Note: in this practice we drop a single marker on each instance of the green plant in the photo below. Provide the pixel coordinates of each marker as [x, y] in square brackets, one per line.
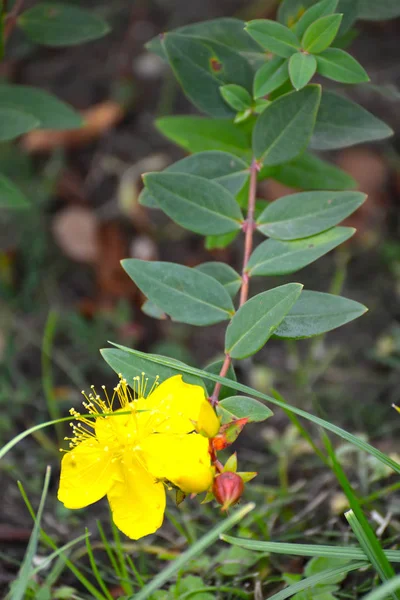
[264, 117]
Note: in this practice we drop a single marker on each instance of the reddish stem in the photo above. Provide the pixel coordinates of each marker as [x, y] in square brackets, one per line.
[248, 228]
[11, 18]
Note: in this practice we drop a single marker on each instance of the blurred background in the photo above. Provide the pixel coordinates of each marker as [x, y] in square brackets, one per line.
[63, 294]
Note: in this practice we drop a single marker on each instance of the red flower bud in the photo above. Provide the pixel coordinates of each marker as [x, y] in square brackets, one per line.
[227, 489]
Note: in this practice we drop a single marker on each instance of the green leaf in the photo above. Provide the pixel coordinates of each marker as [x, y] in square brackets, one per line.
[349, 10]
[316, 312]
[383, 591]
[239, 407]
[322, 563]
[50, 112]
[187, 295]
[215, 367]
[14, 123]
[274, 257]
[284, 129]
[219, 241]
[131, 367]
[274, 37]
[270, 76]
[10, 195]
[308, 172]
[198, 134]
[301, 69]
[57, 24]
[236, 96]
[341, 123]
[320, 34]
[223, 273]
[338, 65]
[226, 169]
[258, 318]
[202, 66]
[320, 550]
[290, 11]
[307, 213]
[383, 10]
[227, 31]
[312, 14]
[196, 203]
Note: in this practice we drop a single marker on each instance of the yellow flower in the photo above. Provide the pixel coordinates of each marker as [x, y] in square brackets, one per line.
[138, 447]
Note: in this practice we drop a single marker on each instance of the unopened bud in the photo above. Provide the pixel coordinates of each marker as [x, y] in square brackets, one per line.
[227, 489]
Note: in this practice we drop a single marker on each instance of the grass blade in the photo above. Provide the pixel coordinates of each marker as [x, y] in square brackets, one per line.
[310, 582]
[359, 523]
[373, 550]
[198, 547]
[382, 592]
[383, 458]
[345, 552]
[20, 585]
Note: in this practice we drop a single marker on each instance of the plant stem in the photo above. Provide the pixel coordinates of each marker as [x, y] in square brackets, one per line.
[248, 228]
[11, 18]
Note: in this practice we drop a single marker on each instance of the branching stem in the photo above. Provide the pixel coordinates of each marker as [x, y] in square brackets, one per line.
[248, 228]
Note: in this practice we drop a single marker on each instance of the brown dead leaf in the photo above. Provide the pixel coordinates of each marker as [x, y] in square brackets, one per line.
[98, 119]
[75, 231]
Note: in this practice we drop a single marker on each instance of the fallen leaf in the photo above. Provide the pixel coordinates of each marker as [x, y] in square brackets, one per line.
[75, 232]
[98, 119]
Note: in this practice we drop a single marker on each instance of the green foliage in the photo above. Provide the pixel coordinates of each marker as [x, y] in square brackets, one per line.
[276, 257]
[241, 406]
[338, 65]
[223, 273]
[270, 76]
[302, 67]
[320, 34]
[316, 312]
[258, 318]
[284, 128]
[274, 37]
[57, 24]
[307, 213]
[185, 294]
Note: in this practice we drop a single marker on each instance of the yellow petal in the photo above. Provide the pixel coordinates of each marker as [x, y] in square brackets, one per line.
[137, 501]
[178, 407]
[118, 427]
[86, 474]
[182, 459]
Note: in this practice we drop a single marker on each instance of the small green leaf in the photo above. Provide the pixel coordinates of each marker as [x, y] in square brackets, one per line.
[257, 319]
[198, 134]
[301, 69]
[316, 312]
[308, 172]
[10, 195]
[224, 168]
[47, 109]
[274, 37]
[320, 34]
[196, 203]
[202, 66]
[378, 11]
[275, 257]
[220, 241]
[290, 11]
[270, 76]
[14, 123]
[338, 65]
[321, 9]
[215, 367]
[341, 123]
[284, 129]
[240, 407]
[227, 31]
[187, 295]
[224, 274]
[236, 96]
[131, 366]
[322, 563]
[300, 215]
[56, 24]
